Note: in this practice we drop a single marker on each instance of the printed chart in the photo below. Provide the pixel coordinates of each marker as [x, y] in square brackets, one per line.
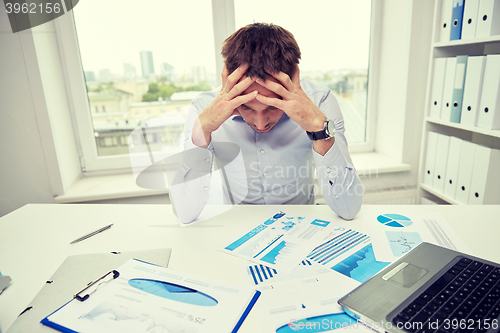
[402, 242]
[173, 291]
[394, 220]
[361, 265]
[280, 243]
[343, 241]
[396, 232]
[260, 273]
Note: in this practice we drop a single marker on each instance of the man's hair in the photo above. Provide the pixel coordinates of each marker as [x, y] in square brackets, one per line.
[262, 46]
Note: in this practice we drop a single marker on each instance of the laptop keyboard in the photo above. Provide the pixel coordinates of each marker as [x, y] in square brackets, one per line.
[464, 299]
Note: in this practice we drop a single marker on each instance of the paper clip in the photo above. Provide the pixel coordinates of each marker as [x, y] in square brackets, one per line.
[92, 286]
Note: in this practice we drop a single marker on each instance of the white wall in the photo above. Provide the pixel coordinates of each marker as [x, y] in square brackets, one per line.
[35, 144]
[405, 38]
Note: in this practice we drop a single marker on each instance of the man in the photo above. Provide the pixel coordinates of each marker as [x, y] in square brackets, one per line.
[265, 129]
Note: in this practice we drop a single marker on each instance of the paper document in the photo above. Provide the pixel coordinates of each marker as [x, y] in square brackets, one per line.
[348, 252]
[281, 242]
[260, 275]
[148, 298]
[308, 304]
[395, 233]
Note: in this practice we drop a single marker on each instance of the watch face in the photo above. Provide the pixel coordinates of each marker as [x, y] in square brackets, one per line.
[330, 128]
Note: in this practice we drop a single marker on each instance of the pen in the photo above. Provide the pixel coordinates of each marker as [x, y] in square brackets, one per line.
[91, 234]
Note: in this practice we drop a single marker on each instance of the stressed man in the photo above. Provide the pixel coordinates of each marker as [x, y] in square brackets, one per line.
[266, 130]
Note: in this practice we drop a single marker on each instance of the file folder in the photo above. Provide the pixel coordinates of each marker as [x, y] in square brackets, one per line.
[446, 13]
[485, 184]
[449, 78]
[74, 273]
[456, 19]
[467, 153]
[443, 144]
[488, 18]
[472, 90]
[489, 109]
[430, 158]
[458, 88]
[469, 22]
[452, 167]
[437, 87]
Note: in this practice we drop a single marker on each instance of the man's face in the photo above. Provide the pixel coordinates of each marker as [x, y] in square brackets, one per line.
[261, 117]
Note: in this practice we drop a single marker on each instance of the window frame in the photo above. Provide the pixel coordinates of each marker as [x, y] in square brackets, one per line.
[223, 18]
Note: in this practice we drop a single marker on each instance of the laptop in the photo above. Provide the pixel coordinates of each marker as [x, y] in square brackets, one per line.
[430, 289]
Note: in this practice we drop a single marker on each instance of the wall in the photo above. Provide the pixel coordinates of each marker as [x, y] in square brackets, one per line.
[38, 152]
[402, 65]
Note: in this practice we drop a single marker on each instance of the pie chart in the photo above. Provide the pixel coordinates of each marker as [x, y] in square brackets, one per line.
[394, 220]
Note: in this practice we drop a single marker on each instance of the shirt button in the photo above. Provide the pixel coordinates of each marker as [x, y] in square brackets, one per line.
[206, 188]
[328, 170]
[265, 173]
[262, 151]
[267, 193]
[336, 196]
[207, 160]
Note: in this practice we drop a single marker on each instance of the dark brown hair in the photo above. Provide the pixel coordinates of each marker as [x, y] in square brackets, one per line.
[261, 45]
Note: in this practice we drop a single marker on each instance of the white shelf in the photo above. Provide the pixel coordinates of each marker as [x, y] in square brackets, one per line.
[439, 194]
[476, 135]
[483, 131]
[460, 42]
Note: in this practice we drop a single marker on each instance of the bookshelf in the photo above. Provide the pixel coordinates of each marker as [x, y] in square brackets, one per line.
[465, 132]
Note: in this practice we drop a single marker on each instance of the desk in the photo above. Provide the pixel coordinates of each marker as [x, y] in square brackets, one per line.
[34, 240]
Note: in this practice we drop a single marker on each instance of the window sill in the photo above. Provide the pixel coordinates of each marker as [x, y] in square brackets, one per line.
[377, 163]
[106, 187]
[120, 186]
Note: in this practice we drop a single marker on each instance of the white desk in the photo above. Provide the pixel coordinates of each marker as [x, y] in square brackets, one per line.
[34, 240]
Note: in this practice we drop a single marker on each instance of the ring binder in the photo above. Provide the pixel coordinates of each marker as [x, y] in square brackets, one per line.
[96, 284]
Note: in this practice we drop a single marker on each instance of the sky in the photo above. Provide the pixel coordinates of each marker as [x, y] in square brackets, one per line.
[332, 34]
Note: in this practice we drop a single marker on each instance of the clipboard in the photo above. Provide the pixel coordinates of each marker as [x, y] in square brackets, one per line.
[74, 273]
[142, 297]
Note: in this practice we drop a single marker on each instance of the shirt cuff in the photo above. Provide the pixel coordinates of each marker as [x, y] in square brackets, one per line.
[197, 158]
[332, 163]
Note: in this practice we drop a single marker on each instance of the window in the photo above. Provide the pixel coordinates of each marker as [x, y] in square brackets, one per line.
[333, 36]
[148, 61]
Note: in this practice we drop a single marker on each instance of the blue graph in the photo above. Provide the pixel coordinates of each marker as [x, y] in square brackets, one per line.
[336, 246]
[394, 220]
[261, 273]
[173, 291]
[402, 242]
[270, 257]
[361, 265]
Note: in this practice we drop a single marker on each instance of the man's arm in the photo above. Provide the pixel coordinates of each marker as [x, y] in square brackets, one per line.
[191, 186]
[340, 184]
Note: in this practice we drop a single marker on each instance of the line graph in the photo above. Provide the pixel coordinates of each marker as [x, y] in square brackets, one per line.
[402, 242]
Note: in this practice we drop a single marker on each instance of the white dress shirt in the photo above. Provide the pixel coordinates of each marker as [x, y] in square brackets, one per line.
[276, 167]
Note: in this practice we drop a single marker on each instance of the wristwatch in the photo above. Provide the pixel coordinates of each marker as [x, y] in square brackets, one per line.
[327, 132]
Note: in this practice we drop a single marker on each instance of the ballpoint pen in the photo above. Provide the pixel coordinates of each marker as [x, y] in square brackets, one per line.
[91, 234]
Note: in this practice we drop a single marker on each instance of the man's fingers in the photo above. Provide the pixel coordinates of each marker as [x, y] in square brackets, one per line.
[240, 87]
[296, 75]
[224, 75]
[242, 99]
[277, 103]
[283, 78]
[234, 77]
[275, 87]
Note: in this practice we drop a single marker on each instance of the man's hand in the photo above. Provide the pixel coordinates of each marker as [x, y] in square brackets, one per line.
[223, 106]
[297, 105]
